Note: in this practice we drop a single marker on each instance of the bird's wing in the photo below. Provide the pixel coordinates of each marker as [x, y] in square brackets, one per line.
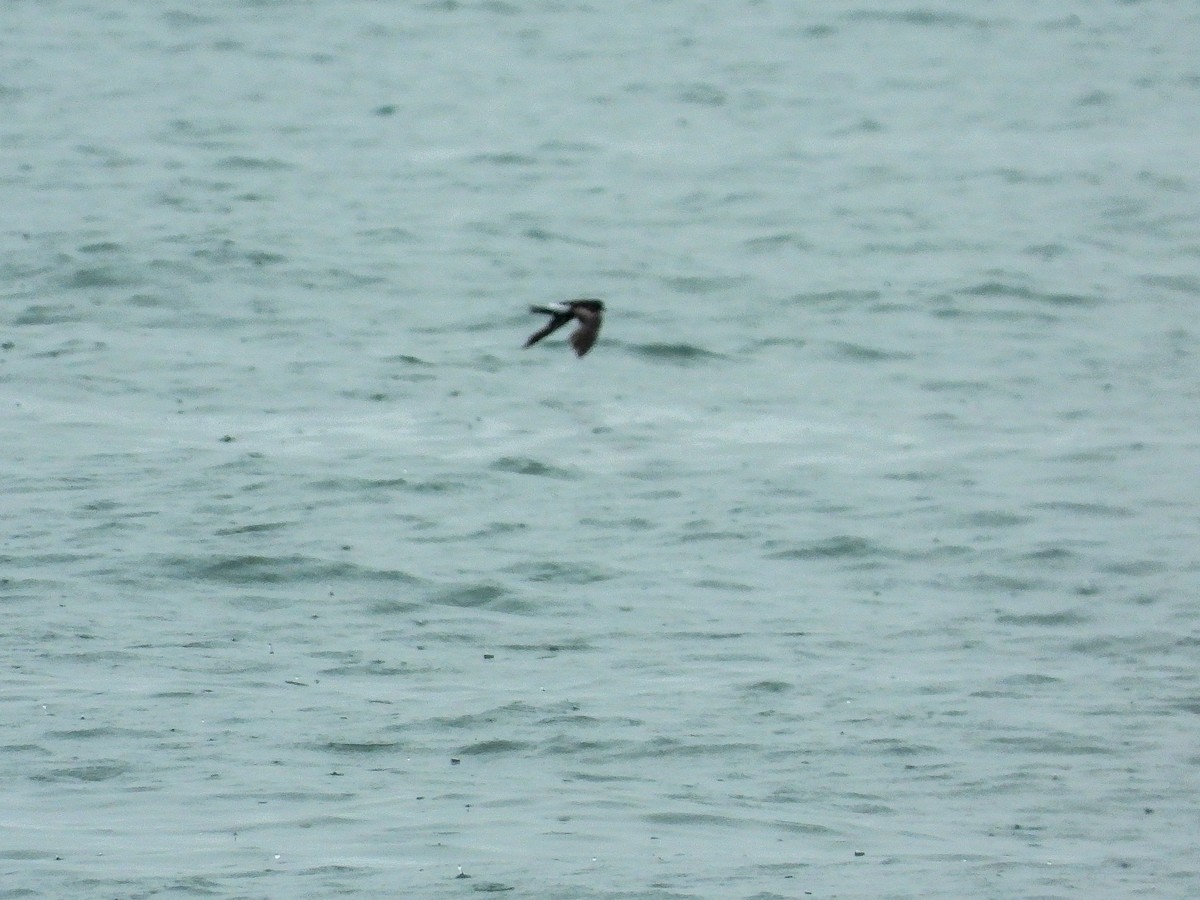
[589, 329]
[557, 321]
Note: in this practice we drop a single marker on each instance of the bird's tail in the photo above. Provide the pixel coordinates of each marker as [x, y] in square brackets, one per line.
[543, 309]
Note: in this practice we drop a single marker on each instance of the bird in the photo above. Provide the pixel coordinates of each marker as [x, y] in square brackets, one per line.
[590, 314]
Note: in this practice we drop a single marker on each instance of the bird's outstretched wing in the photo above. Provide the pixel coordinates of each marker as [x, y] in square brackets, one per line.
[558, 318]
[585, 335]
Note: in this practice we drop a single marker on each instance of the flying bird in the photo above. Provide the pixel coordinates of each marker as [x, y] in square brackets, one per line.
[590, 314]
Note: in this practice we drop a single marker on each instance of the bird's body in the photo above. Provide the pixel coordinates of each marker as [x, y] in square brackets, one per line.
[590, 314]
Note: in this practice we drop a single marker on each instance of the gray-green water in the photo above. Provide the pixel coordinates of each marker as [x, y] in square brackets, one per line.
[858, 559]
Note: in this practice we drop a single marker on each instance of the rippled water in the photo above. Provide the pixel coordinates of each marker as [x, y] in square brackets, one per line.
[858, 559]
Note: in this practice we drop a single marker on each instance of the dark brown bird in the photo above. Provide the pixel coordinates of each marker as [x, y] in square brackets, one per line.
[590, 314]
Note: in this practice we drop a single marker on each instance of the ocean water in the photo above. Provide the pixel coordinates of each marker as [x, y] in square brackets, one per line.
[858, 559]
